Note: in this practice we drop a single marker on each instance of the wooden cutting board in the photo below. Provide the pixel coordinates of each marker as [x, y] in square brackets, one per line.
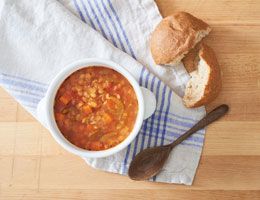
[33, 166]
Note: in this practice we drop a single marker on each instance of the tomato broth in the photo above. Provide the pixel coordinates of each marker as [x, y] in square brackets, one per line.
[95, 108]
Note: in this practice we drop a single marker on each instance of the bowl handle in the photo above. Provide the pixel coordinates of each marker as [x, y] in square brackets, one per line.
[149, 102]
[41, 112]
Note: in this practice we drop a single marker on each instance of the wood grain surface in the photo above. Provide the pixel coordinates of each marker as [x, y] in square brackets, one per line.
[33, 166]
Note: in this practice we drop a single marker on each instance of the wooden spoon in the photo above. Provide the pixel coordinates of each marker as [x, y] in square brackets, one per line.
[150, 161]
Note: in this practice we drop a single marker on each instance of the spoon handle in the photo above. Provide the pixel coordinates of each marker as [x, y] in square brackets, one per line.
[208, 119]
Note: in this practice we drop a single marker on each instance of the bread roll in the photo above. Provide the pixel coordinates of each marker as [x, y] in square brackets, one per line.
[175, 36]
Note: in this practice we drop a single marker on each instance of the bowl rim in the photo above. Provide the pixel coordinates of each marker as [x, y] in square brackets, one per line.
[51, 93]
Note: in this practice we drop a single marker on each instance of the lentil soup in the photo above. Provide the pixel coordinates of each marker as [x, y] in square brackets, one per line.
[95, 108]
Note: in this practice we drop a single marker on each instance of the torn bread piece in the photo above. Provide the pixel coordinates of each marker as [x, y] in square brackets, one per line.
[175, 36]
[205, 83]
[191, 59]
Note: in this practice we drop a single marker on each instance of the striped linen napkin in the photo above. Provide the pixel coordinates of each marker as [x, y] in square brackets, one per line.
[38, 38]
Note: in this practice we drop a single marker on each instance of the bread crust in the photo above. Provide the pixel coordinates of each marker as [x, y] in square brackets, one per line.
[214, 84]
[175, 36]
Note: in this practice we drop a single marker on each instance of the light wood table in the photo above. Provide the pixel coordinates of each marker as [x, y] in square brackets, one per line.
[33, 166]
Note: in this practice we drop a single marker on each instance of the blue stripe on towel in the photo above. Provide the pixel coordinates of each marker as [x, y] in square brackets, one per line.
[147, 120]
[125, 36]
[171, 132]
[157, 130]
[193, 145]
[95, 17]
[106, 24]
[172, 126]
[159, 117]
[79, 11]
[24, 79]
[24, 98]
[165, 117]
[122, 29]
[22, 85]
[171, 136]
[29, 93]
[152, 118]
[86, 12]
[114, 26]
[181, 117]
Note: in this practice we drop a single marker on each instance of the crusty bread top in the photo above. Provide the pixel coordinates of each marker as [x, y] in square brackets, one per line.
[175, 35]
[197, 96]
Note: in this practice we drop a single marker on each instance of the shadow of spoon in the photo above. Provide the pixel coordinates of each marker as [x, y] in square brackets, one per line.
[150, 161]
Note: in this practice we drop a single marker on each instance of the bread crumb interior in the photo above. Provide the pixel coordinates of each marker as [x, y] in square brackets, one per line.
[196, 85]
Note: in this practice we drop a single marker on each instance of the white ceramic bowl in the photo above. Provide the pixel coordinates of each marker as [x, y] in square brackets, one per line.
[45, 109]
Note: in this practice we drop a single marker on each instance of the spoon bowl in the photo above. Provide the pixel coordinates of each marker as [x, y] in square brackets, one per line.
[155, 157]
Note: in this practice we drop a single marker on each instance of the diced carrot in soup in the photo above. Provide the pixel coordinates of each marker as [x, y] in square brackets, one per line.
[107, 118]
[96, 108]
[86, 109]
[90, 128]
[59, 117]
[65, 99]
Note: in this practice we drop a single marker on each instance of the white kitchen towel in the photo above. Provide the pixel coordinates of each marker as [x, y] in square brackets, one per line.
[39, 38]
